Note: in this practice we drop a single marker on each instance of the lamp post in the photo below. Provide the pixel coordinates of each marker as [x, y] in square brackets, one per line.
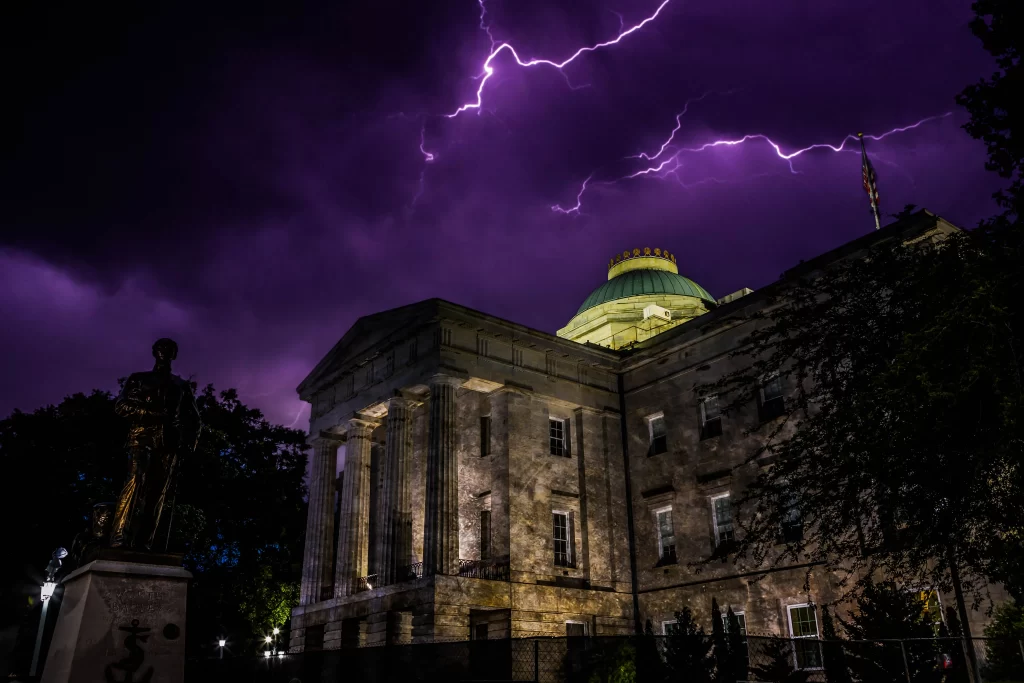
[45, 593]
[220, 646]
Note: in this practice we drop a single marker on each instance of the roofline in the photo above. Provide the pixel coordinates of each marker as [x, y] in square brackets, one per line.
[567, 344]
[605, 354]
[919, 221]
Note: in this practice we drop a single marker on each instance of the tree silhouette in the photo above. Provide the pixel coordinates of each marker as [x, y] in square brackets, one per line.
[888, 612]
[688, 653]
[833, 652]
[239, 514]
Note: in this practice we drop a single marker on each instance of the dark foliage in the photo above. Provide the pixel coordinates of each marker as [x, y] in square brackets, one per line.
[997, 118]
[888, 612]
[997, 114]
[1005, 662]
[688, 650]
[238, 511]
[833, 652]
[776, 662]
[900, 446]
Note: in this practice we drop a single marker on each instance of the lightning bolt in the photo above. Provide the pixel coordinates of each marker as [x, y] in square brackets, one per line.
[497, 48]
[427, 156]
[666, 161]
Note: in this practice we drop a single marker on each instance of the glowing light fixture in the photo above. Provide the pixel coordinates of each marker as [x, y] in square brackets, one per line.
[221, 642]
[268, 639]
[276, 631]
[266, 653]
[47, 590]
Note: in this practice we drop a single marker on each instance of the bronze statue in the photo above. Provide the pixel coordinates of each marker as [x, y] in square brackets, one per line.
[165, 426]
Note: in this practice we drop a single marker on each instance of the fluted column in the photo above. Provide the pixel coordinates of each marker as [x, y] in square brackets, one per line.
[354, 517]
[441, 525]
[316, 562]
[395, 515]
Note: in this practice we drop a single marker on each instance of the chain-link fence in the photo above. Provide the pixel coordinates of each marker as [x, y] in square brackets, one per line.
[640, 659]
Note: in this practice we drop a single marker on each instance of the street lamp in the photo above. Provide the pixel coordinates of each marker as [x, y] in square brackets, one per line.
[45, 593]
[220, 646]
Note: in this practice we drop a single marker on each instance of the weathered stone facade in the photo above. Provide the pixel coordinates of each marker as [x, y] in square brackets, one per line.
[485, 491]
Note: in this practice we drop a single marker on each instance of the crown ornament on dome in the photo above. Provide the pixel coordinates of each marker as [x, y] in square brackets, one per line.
[646, 252]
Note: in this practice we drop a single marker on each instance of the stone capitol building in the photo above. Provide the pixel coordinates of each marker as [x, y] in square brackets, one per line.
[502, 482]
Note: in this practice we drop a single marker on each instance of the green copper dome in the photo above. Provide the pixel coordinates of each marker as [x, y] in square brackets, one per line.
[639, 282]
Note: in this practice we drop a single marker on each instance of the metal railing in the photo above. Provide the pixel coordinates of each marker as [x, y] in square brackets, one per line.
[409, 572]
[484, 569]
[364, 583]
[611, 659]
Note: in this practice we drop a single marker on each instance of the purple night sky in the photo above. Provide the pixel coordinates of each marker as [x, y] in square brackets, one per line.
[250, 183]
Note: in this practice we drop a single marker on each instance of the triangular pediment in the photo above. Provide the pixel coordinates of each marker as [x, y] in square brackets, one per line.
[367, 335]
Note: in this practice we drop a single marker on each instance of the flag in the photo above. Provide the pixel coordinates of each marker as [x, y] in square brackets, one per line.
[869, 179]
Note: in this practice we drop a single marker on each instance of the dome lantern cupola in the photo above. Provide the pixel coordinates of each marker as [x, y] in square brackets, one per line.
[618, 313]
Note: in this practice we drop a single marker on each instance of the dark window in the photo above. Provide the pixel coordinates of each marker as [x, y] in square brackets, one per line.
[710, 418]
[792, 522]
[485, 534]
[659, 442]
[770, 403]
[722, 511]
[480, 632]
[558, 437]
[575, 629]
[666, 537]
[563, 538]
[485, 435]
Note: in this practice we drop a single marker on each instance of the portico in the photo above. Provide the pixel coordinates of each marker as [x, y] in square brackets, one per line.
[442, 435]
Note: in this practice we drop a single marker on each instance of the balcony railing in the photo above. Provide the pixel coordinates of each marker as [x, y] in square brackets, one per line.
[484, 569]
[365, 583]
[409, 573]
[474, 569]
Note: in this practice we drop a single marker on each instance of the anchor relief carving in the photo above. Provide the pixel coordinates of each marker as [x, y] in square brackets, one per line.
[133, 662]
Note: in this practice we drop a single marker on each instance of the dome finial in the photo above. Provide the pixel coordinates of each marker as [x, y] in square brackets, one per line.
[646, 258]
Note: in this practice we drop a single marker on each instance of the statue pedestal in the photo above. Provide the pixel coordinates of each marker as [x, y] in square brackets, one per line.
[122, 618]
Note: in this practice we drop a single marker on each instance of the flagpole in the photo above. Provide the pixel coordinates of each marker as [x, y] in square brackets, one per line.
[872, 191]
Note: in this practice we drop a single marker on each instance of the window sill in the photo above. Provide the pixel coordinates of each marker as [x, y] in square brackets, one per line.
[666, 562]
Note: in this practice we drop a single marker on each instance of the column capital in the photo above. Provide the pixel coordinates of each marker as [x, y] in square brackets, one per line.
[406, 402]
[360, 427]
[324, 438]
[442, 379]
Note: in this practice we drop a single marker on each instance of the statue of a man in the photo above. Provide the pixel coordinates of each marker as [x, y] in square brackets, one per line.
[165, 425]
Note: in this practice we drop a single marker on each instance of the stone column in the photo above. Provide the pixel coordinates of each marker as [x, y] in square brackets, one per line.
[395, 513]
[441, 525]
[316, 562]
[354, 520]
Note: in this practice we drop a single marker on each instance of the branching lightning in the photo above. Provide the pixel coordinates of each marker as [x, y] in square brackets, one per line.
[666, 161]
[497, 48]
